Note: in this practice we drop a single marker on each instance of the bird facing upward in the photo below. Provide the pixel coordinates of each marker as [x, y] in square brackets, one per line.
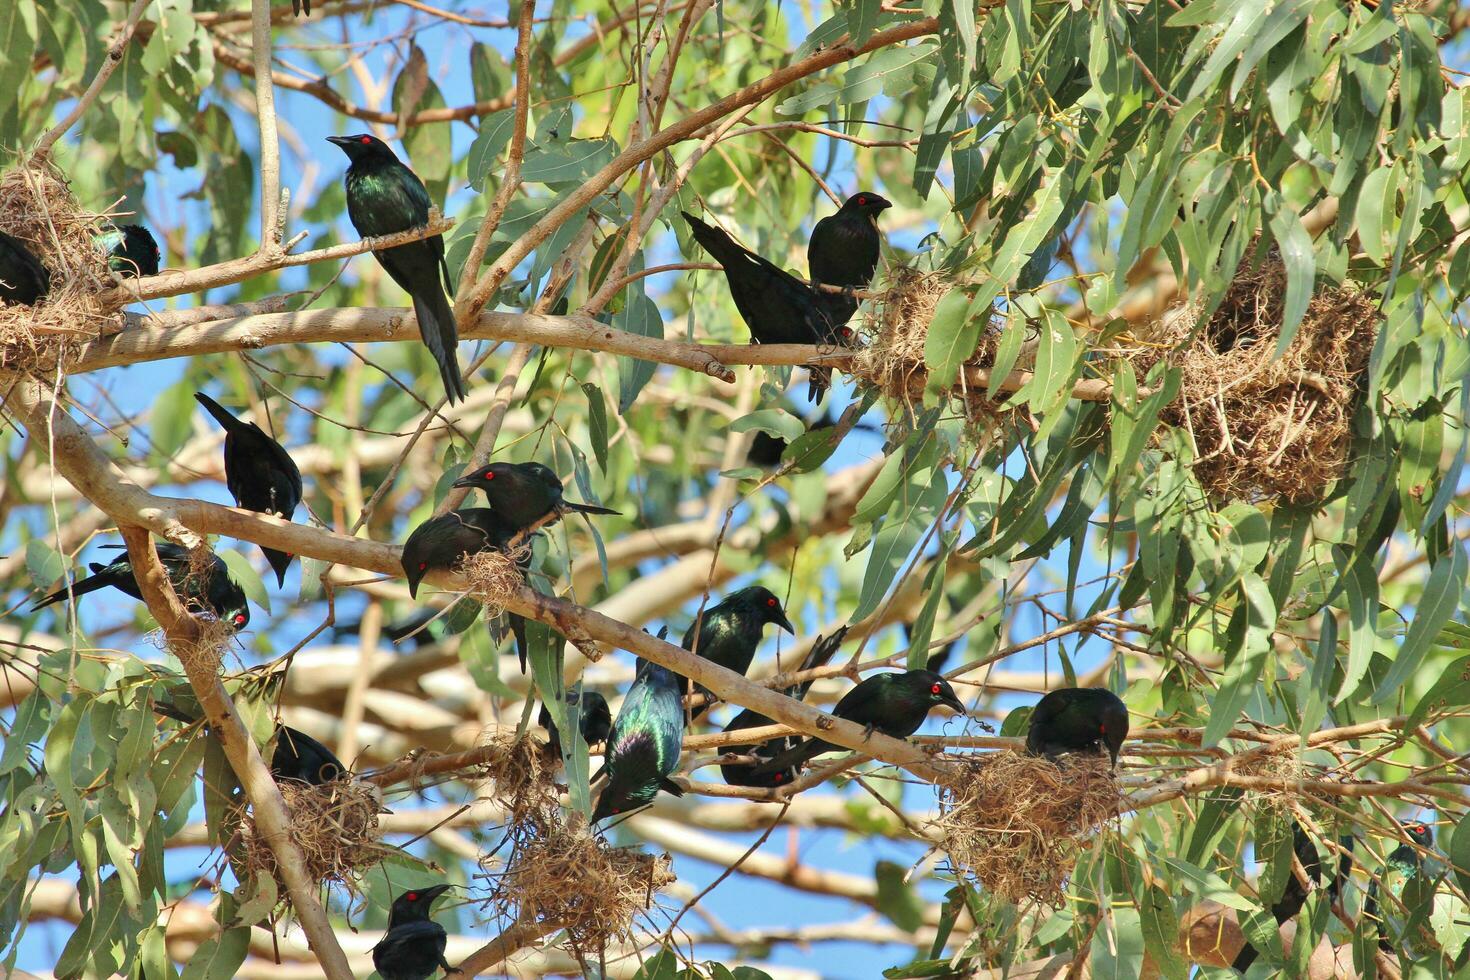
[384, 197]
[413, 947]
[644, 744]
[843, 251]
[212, 590]
[260, 474]
[1078, 719]
[524, 493]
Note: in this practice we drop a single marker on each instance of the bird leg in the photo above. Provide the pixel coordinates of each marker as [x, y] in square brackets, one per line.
[868, 731]
[447, 968]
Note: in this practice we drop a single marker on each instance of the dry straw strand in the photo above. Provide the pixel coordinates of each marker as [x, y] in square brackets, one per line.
[335, 825]
[492, 576]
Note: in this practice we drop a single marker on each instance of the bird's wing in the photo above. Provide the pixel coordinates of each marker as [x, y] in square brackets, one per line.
[819, 247]
[864, 702]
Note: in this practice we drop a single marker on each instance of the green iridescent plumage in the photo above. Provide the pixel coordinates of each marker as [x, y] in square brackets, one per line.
[730, 631]
[643, 748]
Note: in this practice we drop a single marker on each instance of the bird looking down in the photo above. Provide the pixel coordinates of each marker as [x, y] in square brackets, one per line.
[259, 472]
[212, 590]
[730, 630]
[524, 494]
[894, 704]
[131, 250]
[384, 197]
[777, 307]
[644, 744]
[1078, 719]
[844, 250]
[413, 947]
[594, 720]
[23, 279]
[741, 774]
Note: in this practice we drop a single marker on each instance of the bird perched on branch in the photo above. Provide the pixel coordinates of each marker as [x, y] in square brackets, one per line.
[442, 542]
[131, 250]
[644, 744]
[259, 472]
[777, 307]
[210, 590]
[594, 719]
[1078, 719]
[742, 774]
[294, 754]
[1293, 896]
[843, 251]
[894, 704]
[1401, 870]
[413, 947]
[384, 197]
[730, 630]
[524, 494]
[23, 279]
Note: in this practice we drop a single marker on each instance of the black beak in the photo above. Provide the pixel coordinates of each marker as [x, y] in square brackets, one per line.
[429, 894]
[465, 482]
[340, 140]
[785, 623]
[948, 698]
[413, 583]
[885, 205]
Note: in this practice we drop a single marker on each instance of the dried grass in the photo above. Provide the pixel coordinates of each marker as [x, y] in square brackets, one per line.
[1267, 427]
[1018, 823]
[523, 782]
[37, 207]
[335, 825]
[1286, 766]
[564, 875]
[492, 577]
[893, 359]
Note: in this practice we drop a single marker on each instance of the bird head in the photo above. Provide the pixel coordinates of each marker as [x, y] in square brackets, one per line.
[617, 800]
[238, 617]
[363, 147]
[767, 607]
[413, 905]
[866, 202]
[141, 249]
[484, 477]
[1418, 832]
[417, 557]
[937, 689]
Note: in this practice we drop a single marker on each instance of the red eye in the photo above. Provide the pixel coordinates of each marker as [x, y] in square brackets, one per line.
[489, 475]
[616, 810]
[780, 777]
[411, 896]
[366, 140]
[847, 331]
[423, 565]
[934, 689]
[239, 619]
[771, 602]
[862, 200]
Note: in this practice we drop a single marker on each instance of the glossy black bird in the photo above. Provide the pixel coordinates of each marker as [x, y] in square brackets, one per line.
[1403, 864]
[595, 720]
[413, 947]
[524, 493]
[1078, 719]
[843, 251]
[23, 279]
[259, 472]
[383, 197]
[295, 756]
[214, 590]
[131, 250]
[777, 307]
[441, 542]
[644, 744]
[297, 6]
[894, 704]
[1294, 896]
[741, 774]
[730, 630]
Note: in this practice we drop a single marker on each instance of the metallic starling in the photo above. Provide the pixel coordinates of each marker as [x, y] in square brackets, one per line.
[1078, 719]
[131, 250]
[524, 494]
[644, 744]
[730, 630]
[843, 251]
[413, 947]
[213, 590]
[23, 279]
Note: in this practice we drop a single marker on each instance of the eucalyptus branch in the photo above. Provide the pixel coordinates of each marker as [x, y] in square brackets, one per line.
[115, 53]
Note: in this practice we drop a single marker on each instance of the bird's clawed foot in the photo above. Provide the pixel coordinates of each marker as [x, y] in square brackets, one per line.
[868, 731]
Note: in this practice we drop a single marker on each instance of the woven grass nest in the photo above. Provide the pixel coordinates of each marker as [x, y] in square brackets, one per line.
[893, 359]
[562, 875]
[522, 775]
[492, 576]
[1017, 823]
[335, 826]
[37, 207]
[1267, 426]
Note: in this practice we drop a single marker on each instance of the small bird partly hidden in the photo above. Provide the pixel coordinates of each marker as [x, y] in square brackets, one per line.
[384, 197]
[524, 494]
[1403, 865]
[1078, 719]
[259, 472]
[777, 307]
[644, 744]
[298, 6]
[594, 720]
[295, 755]
[416, 628]
[413, 947]
[843, 251]
[441, 542]
[212, 590]
[730, 630]
[741, 773]
[894, 704]
[23, 279]
[1293, 896]
[131, 250]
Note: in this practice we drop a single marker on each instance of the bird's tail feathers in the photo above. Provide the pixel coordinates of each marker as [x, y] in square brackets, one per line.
[588, 508]
[222, 415]
[669, 786]
[820, 382]
[80, 587]
[436, 327]
[716, 241]
[279, 561]
[820, 653]
[792, 758]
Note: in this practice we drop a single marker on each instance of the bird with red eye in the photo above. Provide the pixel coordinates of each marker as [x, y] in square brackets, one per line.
[729, 631]
[525, 495]
[204, 590]
[1077, 719]
[892, 704]
[844, 251]
[413, 947]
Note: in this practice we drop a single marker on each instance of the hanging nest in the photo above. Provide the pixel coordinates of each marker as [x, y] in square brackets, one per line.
[1267, 426]
[523, 785]
[565, 876]
[893, 359]
[1286, 766]
[335, 825]
[493, 576]
[37, 207]
[1018, 823]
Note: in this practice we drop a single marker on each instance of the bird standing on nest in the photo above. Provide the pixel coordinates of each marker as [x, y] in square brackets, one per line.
[843, 251]
[1078, 719]
[413, 947]
[524, 494]
[644, 744]
[730, 630]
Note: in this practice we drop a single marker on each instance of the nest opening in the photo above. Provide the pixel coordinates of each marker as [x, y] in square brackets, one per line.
[38, 208]
[893, 359]
[524, 788]
[565, 876]
[1267, 426]
[492, 577]
[335, 826]
[1018, 823]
